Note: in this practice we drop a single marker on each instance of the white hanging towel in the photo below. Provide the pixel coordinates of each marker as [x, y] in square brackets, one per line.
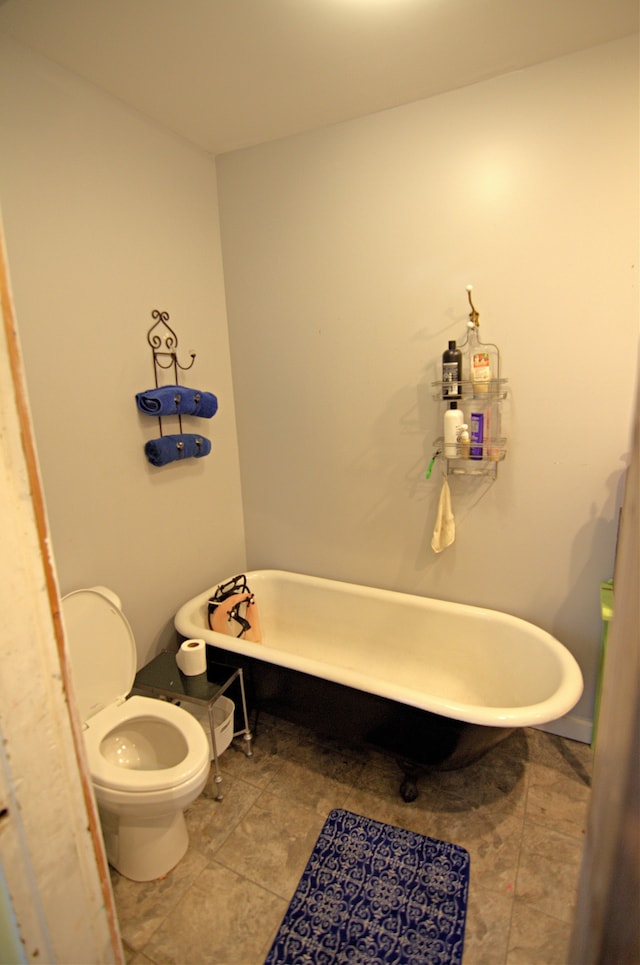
[444, 532]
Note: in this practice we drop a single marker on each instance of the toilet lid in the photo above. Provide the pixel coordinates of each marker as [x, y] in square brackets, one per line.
[101, 647]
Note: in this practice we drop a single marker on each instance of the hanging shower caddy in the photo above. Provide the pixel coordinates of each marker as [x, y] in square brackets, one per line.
[479, 394]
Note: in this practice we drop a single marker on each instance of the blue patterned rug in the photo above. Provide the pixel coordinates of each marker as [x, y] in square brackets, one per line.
[375, 894]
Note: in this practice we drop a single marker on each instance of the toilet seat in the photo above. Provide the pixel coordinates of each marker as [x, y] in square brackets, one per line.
[103, 659]
[105, 773]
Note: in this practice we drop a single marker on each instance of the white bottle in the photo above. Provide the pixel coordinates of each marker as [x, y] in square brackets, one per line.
[453, 419]
[464, 440]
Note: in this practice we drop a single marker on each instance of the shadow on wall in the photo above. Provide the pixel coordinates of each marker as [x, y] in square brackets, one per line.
[595, 541]
[399, 467]
[166, 639]
[395, 469]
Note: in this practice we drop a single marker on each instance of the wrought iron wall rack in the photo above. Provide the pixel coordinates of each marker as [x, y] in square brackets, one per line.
[164, 346]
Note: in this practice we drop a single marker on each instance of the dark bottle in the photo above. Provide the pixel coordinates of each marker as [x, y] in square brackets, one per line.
[451, 372]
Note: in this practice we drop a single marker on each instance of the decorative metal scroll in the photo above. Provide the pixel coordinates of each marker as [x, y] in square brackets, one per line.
[164, 345]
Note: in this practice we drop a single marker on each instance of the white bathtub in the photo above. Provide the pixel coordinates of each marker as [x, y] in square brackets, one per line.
[436, 684]
[462, 662]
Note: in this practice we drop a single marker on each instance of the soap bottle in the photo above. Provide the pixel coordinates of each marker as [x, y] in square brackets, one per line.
[480, 371]
[464, 440]
[453, 421]
[483, 358]
[451, 372]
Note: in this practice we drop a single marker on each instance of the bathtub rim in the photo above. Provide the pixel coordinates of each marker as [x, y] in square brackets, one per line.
[552, 708]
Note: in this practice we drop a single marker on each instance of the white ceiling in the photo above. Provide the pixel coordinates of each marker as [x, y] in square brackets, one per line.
[227, 74]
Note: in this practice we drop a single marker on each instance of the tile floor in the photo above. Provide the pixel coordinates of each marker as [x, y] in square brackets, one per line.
[520, 812]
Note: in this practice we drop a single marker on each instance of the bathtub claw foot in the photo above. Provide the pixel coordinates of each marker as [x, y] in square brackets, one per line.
[409, 790]
[409, 786]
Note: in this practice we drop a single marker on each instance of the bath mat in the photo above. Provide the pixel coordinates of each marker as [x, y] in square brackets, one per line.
[377, 894]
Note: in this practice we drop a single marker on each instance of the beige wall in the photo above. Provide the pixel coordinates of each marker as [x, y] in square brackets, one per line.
[346, 255]
[106, 218]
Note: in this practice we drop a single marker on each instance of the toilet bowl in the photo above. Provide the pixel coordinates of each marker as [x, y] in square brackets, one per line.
[148, 759]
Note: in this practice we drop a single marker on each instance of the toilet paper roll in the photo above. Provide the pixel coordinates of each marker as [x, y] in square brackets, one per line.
[192, 657]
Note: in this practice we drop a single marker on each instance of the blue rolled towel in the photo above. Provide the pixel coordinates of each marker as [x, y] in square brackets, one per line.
[181, 446]
[177, 400]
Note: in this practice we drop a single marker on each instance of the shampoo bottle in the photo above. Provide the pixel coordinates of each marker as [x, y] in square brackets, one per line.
[451, 372]
[477, 435]
[483, 358]
[479, 364]
[453, 420]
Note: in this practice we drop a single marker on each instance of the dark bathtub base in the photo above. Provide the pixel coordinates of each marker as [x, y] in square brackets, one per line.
[420, 741]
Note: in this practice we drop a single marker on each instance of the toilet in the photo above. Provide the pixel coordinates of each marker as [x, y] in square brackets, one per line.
[148, 758]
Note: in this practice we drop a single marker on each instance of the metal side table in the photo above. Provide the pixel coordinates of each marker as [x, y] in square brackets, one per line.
[162, 678]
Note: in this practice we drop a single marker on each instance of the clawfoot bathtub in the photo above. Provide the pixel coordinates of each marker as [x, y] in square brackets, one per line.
[436, 683]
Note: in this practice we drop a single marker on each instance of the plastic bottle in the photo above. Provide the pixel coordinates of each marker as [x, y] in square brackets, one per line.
[464, 440]
[477, 435]
[479, 363]
[453, 420]
[451, 372]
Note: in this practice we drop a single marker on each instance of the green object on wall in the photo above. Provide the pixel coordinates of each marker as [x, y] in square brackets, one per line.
[606, 609]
